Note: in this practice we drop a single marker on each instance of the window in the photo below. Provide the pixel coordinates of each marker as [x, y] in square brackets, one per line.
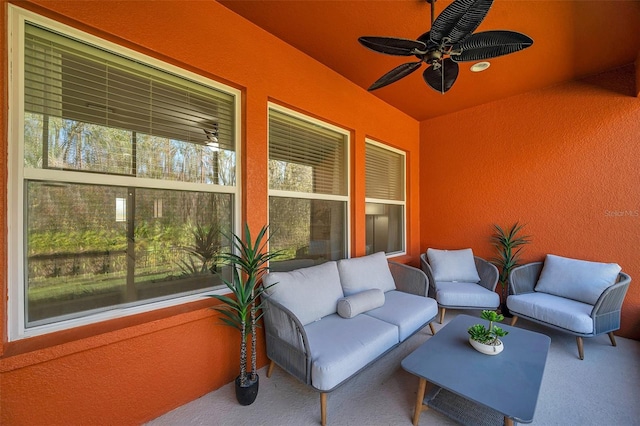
[385, 199]
[308, 189]
[122, 177]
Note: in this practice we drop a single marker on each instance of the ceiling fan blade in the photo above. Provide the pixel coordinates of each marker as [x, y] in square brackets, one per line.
[426, 39]
[489, 44]
[441, 79]
[392, 45]
[458, 20]
[395, 74]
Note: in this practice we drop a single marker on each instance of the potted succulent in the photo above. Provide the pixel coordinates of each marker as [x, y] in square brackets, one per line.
[249, 261]
[508, 244]
[487, 340]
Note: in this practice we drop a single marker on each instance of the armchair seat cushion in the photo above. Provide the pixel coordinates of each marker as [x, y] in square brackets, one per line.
[406, 311]
[559, 311]
[461, 294]
[339, 347]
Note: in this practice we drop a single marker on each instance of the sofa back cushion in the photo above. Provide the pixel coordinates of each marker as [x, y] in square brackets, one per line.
[309, 293]
[453, 265]
[364, 273]
[575, 279]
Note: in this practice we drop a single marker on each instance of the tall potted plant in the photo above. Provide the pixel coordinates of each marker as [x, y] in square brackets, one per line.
[508, 243]
[249, 261]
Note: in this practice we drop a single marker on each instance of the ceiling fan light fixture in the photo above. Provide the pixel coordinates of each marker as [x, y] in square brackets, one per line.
[480, 66]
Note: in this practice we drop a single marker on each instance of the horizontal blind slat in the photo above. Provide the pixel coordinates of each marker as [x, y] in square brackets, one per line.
[384, 173]
[305, 157]
[69, 79]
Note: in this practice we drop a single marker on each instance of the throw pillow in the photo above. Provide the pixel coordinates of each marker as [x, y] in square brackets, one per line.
[364, 273]
[350, 306]
[453, 265]
[575, 279]
[309, 293]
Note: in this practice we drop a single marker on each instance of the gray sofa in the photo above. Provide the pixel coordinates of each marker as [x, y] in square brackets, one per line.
[575, 296]
[325, 323]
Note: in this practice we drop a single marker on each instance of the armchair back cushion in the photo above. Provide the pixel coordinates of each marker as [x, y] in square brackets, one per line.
[309, 293]
[575, 279]
[365, 273]
[453, 265]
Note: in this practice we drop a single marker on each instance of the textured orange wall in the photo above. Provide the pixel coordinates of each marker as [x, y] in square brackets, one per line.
[563, 160]
[638, 76]
[134, 369]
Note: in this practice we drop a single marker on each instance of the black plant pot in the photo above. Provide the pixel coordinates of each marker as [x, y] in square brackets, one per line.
[248, 393]
[505, 311]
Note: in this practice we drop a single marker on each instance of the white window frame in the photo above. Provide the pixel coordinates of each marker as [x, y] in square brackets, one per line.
[15, 221]
[402, 203]
[311, 195]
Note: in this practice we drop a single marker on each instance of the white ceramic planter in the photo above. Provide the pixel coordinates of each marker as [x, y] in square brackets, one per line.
[487, 349]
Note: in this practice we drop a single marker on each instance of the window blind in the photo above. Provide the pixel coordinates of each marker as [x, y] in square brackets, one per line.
[73, 80]
[384, 173]
[302, 143]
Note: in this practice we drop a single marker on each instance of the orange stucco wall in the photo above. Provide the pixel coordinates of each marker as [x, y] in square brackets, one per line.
[136, 368]
[563, 161]
[638, 76]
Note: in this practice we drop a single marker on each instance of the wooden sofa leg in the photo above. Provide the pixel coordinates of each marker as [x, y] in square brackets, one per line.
[612, 338]
[270, 369]
[442, 315]
[323, 408]
[433, 330]
[513, 320]
[580, 347]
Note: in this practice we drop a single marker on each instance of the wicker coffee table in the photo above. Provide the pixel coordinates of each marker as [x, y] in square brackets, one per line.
[477, 389]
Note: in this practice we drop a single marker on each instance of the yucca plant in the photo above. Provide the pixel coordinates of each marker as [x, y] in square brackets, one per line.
[203, 252]
[509, 243]
[249, 260]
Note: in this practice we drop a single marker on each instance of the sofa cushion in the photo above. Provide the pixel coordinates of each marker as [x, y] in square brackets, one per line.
[407, 311]
[309, 293]
[340, 347]
[364, 273]
[465, 295]
[575, 279]
[559, 311]
[350, 306]
[453, 265]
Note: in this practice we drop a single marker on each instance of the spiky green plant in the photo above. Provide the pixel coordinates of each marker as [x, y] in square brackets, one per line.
[205, 249]
[488, 336]
[249, 260]
[509, 244]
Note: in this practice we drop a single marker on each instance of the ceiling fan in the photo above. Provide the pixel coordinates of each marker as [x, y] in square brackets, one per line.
[449, 41]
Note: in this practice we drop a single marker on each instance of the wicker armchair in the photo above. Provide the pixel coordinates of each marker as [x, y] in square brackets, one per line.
[604, 314]
[479, 295]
